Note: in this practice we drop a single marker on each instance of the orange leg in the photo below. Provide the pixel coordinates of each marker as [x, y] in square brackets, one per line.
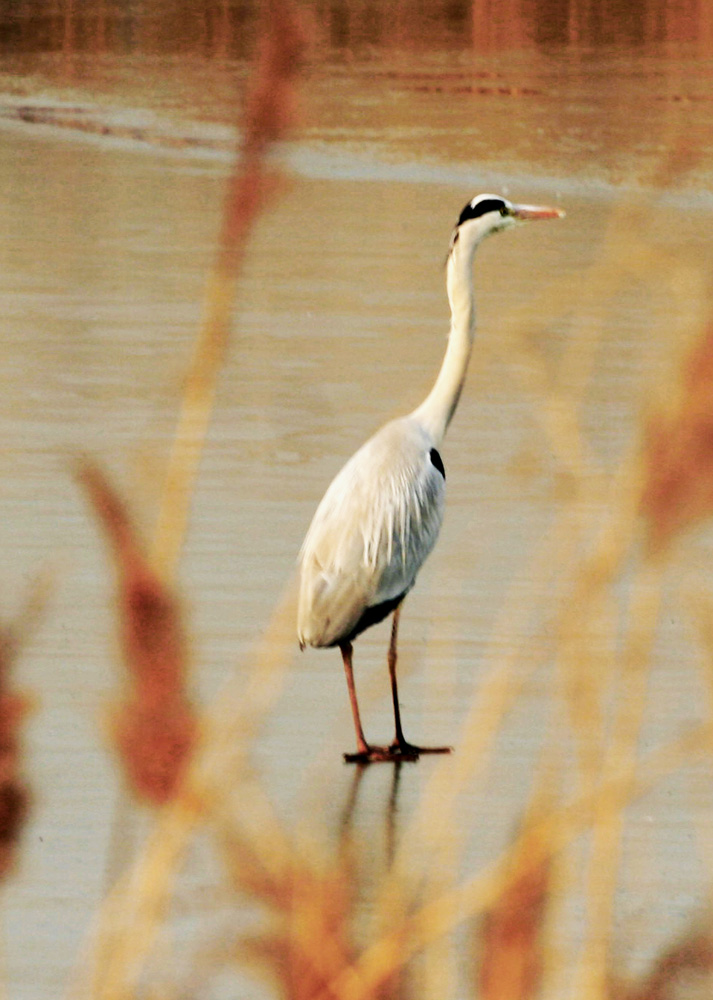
[365, 754]
[400, 749]
[362, 745]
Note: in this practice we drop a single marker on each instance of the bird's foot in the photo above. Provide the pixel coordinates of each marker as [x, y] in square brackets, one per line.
[373, 755]
[396, 751]
[401, 749]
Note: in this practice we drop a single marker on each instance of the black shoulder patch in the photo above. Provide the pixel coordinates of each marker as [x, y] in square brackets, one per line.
[474, 209]
[437, 461]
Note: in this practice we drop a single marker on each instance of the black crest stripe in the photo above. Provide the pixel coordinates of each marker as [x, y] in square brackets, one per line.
[482, 207]
[437, 462]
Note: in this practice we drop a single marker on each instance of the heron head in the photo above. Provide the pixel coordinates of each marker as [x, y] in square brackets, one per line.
[489, 213]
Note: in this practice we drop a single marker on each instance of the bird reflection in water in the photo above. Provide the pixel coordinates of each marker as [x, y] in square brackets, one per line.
[390, 811]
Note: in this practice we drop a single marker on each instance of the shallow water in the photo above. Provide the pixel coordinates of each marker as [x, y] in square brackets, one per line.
[111, 194]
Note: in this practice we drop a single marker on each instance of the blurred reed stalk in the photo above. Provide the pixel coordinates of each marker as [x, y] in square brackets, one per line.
[155, 726]
[267, 116]
[589, 572]
[136, 908]
[302, 891]
[15, 707]
[306, 893]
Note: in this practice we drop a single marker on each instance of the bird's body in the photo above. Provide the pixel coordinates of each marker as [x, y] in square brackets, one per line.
[381, 515]
[365, 546]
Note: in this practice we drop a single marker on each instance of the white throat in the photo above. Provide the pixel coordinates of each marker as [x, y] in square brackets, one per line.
[436, 411]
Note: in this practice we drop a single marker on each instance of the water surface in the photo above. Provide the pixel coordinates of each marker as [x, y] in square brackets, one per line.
[112, 163]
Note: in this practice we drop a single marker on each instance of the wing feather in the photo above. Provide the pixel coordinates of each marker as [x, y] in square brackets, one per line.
[372, 531]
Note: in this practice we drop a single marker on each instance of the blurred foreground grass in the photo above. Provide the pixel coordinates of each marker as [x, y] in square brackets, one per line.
[606, 579]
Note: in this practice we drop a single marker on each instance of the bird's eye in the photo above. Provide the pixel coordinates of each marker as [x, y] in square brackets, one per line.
[504, 211]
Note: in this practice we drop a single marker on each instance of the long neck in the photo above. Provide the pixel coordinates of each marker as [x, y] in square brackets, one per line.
[437, 409]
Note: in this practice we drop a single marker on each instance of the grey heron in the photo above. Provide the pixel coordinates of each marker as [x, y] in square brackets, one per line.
[382, 513]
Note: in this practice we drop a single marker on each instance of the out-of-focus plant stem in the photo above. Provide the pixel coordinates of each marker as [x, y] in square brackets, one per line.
[267, 115]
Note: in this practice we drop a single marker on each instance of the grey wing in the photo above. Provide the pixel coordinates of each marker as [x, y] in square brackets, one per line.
[374, 528]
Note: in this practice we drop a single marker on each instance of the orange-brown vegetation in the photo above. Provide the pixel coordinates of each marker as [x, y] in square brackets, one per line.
[269, 109]
[511, 962]
[15, 706]
[310, 936]
[675, 972]
[155, 727]
[678, 487]
[14, 794]
[309, 909]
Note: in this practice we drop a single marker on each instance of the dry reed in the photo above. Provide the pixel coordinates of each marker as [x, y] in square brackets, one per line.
[678, 491]
[268, 113]
[155, 728]
[674, 972]
[308, 945]
[511, 964]
[307, 895]
[15, 706]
